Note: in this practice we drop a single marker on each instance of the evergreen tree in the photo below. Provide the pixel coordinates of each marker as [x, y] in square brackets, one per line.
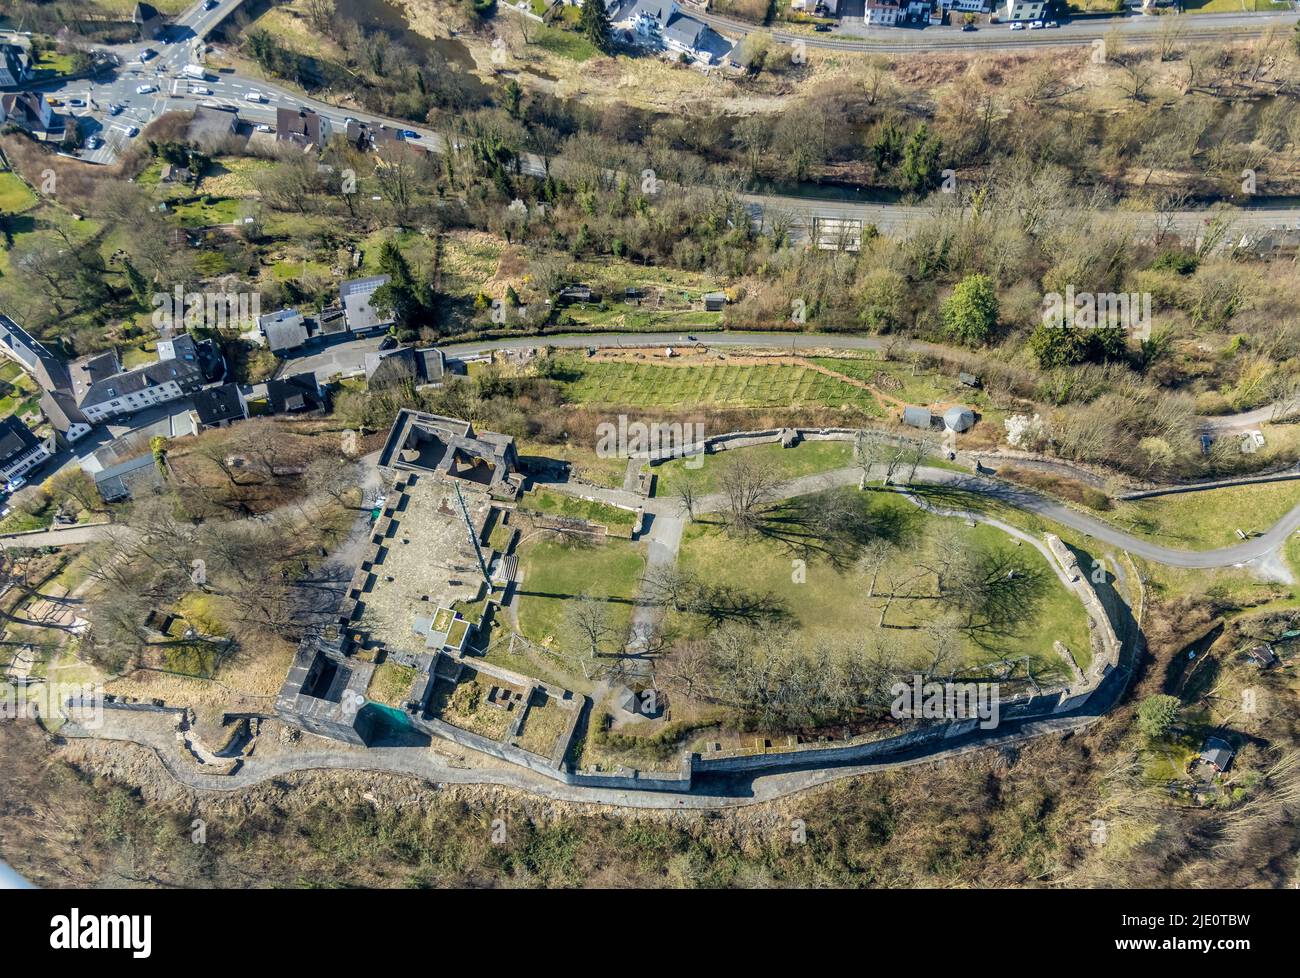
[594, 21]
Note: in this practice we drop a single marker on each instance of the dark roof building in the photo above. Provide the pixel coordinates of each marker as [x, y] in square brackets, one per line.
[216, 406]
[301, 127]
[393, 368]
[1217, 753]
[286, 395]
[30, 111]
[15, 65]
[20, 450]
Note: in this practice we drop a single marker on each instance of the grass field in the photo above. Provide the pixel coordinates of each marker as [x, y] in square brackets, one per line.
[618, 521]
[831, 603]
[806, 458]
[723, 385]
[1206, 520]
[553, 572]
[566, 44]
[15, 196]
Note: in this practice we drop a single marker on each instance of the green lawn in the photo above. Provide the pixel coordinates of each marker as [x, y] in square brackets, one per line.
[554, 572]
[15, 196]
[1206, 520]
[831, 603]
[805, 458]
[566, 44]
[618, 521]
[659, 385]
[200, 213]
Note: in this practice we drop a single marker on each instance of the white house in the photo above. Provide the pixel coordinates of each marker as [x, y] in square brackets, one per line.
[20, 450]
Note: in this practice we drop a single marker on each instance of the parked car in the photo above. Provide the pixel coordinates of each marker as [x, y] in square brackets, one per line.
[1017, 26]
[94, 142]
[263, 127]
[821, 28]
[14, 484]
[1036, 25]
[410, 134]
[968, 27]
[388, 342]
[1052, 23]
[77, 103]
[114, 108]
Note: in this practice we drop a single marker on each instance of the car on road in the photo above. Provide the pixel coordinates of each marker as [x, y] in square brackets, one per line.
[145, 89]
[146, 54]
[263, 127]
[209, 4]
[410, 134]
[200, 90]
[14, 484]
[254, 97]
[968, 27]
[1017, 26]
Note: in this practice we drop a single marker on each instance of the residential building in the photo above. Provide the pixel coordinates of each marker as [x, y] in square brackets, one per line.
[394, 368]
[130, 479]
[217, 407]
[211, 126]
[882, 13]
[15, 66]
[1022, 10]
[354, 296]
[1217, 753]
[30, 111]
[102, 389]
[299, 394]
[283, 330]
[20, 450]
[301, 127]
[29, 353]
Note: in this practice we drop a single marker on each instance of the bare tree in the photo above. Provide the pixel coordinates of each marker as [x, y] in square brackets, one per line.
[687, 492]
[748, 485]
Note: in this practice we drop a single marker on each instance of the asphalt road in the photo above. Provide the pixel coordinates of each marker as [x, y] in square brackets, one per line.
[990, 37]
[176, 92]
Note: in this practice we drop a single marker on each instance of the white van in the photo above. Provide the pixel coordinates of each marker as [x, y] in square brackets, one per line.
[254, 97]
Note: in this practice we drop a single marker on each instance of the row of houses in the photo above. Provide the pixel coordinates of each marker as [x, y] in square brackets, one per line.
[288, 329]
